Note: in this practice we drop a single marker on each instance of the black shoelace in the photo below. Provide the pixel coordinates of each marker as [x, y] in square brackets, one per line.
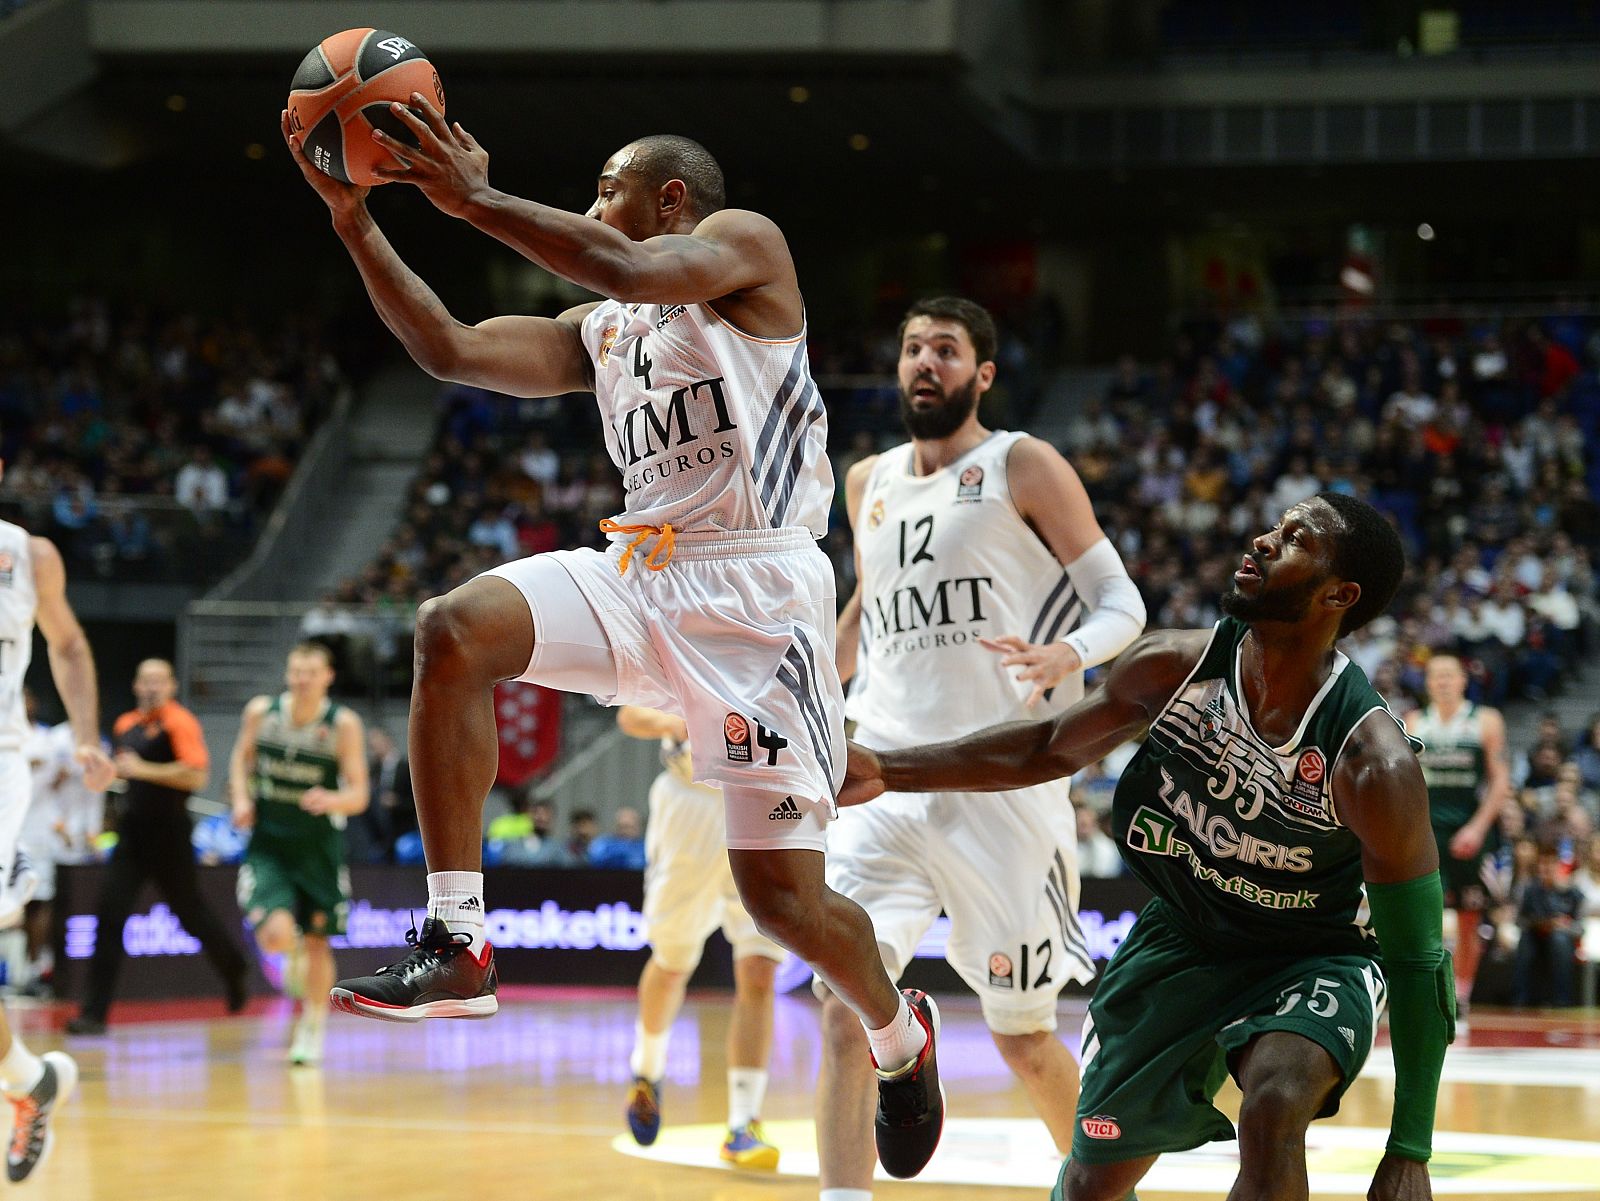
[432, 948]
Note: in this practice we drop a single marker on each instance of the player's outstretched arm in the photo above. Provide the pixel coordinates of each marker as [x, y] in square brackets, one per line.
[71, 662]
[730, 251]
[1380, 796]
[242, 763]
[517, 355]
[1023, 753]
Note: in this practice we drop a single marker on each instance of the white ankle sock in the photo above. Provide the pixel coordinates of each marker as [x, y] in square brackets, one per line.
[456, 899]
[898, 1043]
[21, 1069]
[747, 1089]
[845, 1194]
[649, 1058]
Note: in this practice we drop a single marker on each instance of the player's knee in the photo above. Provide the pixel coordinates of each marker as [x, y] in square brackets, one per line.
[275, 936]
[1025, 1054]
[842, 1034]
[755, 976]
[442, 635]
[781, 916]
[1088, 1182]
[1278, 1107]
[675, 962]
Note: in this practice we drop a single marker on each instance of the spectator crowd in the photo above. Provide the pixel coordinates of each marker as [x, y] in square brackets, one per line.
[149, 444]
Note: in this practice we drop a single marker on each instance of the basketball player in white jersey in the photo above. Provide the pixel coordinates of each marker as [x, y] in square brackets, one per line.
[713, 601]
[33, 590]
[1463, 761]
[58, 812]
[977, 552]
[688, 893]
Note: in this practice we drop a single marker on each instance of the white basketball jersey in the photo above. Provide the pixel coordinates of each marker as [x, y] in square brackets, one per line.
[18, 601]
[946, 559]
[711, 429]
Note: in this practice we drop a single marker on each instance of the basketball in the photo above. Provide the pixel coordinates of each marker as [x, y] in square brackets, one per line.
[342, 92]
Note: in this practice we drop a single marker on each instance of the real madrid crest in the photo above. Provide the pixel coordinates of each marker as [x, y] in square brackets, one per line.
[608, 339]
[875, 517]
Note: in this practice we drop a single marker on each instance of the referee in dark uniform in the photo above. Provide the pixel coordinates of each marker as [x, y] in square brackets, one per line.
[161, 753]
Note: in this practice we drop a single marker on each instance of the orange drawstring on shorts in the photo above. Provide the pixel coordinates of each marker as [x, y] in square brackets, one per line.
[660, 554]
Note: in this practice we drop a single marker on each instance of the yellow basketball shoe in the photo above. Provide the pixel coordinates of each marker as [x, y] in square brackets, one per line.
[747, 1147]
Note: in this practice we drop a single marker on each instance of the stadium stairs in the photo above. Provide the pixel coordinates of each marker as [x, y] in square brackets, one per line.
[342, 504]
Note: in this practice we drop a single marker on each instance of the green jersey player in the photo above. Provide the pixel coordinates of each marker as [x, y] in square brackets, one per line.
[1464, 765]
[299, 771]
[1278, 813]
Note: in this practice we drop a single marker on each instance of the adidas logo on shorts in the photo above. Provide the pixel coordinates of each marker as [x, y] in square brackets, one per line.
[1349, 1036]
[786, 812]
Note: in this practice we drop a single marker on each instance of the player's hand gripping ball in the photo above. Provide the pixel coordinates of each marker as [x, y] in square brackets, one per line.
[342, 92]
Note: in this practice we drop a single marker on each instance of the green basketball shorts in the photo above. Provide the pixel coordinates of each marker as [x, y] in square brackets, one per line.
[1169, 1018]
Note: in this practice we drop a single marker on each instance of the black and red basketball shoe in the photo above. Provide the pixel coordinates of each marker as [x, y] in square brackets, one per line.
[440, 978]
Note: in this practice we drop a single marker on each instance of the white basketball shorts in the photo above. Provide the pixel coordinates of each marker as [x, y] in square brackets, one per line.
[1002, 866]
[735, 635]
[688, 886]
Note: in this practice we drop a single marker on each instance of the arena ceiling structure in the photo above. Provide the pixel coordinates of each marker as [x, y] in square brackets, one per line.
[1027, 111]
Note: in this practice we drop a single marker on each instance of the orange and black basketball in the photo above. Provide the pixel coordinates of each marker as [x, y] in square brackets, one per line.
[342, 92]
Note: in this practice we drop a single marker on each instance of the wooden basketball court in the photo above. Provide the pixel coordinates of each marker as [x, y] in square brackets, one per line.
[180, 1103]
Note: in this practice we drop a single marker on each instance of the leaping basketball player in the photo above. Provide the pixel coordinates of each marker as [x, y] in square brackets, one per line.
[713, 600]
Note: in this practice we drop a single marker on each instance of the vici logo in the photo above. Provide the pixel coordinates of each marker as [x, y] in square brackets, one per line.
[1101, 1127]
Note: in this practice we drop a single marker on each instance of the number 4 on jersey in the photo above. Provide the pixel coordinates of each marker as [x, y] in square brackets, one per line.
[642, 363]
[770, 741]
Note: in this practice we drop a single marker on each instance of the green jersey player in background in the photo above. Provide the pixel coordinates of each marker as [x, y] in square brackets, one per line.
[299, 770]
[1464, 765]
[1274, 800]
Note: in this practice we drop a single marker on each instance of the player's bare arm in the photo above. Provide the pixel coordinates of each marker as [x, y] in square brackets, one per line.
[1380, 796]
[354, 791]
[242, 762]
[848, 645]
[729, 252]
[1468, 840]
[1021, 754]
[516, 355]
[641, 721]
[1052, 500]
[71, 663]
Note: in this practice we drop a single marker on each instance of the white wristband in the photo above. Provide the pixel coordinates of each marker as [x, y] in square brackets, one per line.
[1116, 610]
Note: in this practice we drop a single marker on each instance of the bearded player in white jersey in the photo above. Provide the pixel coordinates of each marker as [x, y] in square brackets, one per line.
[713, 601]
[985, 589]
[33, 590]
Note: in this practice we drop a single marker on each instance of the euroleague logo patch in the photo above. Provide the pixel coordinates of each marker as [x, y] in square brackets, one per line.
[1000, 970]
[1101, 1127]
[1305, 794]
[736, 737]
[970, 486]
